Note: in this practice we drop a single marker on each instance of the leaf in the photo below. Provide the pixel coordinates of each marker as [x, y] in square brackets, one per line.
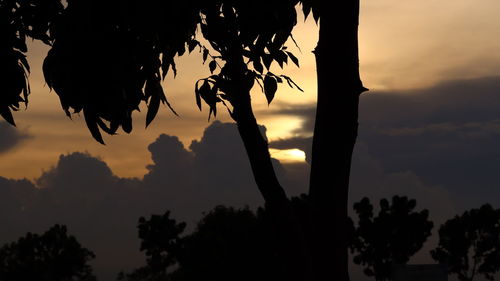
[306, 9]
[110, 130]
[181, 51]
[270, 88]
[204, 92]
[212, 65]
[293, 58]
[316, 13]
[268, 60]
[91, 121]
[197, 95]
[258, 66]
[191, 45]
[127, 124]
[280, 57]
[7, 115]
[205, 55]
[153, 106]
[24, 61]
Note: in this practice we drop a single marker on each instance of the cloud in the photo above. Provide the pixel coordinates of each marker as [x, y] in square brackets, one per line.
[102, 209]
[446, 135]
[11, 137]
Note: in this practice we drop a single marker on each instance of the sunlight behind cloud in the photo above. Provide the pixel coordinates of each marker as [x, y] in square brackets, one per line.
[288, 155]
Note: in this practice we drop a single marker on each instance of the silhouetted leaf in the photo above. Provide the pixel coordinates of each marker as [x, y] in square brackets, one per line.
[316, 11]
[258, 66]
[212, 65]
[267, 59]
[205, 55]
[204, 92]
[127, 123]
[24, 61]
[306, 8]
[91, 121]
[7, 115]
[197, 95]
[293, 58]
[192, 45]
[270, 87]
[110, 130]
[280, 57]
[153, 106]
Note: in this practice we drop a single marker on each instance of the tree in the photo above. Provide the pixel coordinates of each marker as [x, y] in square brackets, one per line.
[230, 244]
[161, 243]
[138, 41]
[227, 244]
[470, 244]
[52, 256]
[392, 237]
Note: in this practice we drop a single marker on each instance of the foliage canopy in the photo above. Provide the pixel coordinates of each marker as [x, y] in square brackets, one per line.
[470, 244]
[52, 256]
[392, 237]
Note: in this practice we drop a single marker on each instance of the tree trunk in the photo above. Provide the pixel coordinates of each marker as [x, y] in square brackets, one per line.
[292, 245]
[335, 132]
[292, 242]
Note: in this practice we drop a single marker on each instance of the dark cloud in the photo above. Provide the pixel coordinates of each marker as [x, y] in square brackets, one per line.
[446, 135]
[10, 136]
[102, 209]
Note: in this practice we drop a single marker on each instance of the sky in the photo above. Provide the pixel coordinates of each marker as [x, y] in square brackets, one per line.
[429, 129]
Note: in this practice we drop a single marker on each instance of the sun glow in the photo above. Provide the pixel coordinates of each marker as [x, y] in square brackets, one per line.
[288, 155]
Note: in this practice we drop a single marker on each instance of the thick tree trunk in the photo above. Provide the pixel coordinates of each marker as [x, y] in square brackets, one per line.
[335, 132]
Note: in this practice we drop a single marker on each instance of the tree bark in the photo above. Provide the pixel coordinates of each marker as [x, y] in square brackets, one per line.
[335, 133]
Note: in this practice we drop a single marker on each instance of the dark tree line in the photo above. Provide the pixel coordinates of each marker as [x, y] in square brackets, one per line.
[236, 244]
[239, 244]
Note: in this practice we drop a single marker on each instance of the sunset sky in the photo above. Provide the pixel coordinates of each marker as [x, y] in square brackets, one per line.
[429, 129]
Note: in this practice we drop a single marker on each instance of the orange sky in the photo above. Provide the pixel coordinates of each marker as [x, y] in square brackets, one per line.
[403, 45]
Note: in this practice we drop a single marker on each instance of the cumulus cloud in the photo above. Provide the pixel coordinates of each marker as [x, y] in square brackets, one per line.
[102, 209]
[10, 136]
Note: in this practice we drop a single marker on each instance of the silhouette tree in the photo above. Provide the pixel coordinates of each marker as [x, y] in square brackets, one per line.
[231, 244]
[109, 56]
[161, 242]
[470, 244]
[396, 234]
[227, 244]
[52, 256]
